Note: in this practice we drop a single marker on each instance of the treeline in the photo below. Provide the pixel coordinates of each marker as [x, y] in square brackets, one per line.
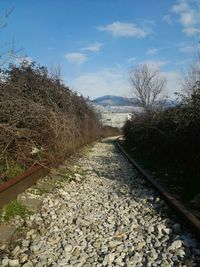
[168, 142]
[40, 118]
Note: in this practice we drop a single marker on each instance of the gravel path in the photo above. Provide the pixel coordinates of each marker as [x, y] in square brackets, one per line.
[102, 214]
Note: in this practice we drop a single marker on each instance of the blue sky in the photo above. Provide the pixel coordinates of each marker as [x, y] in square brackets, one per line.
[97, 42]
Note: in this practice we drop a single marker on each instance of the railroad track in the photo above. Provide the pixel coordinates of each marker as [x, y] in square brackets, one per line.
[13, 187]
[186, 214]
[10, 189]
[106, 216]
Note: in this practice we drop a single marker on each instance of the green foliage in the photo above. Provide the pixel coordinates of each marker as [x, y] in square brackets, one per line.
[13, 169]
[13, 209]
[39, 191]
[10, 169]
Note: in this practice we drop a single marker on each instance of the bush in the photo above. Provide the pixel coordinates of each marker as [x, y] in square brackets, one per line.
[40, 118]
[171, 136]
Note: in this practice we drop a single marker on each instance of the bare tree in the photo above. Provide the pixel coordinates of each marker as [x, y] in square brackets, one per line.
[191, 77]
[56, 72]
[148, 86]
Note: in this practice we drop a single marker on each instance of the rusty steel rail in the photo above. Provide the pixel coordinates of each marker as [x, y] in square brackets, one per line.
[179, 208]
[10, 189]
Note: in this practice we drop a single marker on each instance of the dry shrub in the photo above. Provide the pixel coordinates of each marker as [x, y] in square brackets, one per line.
[40, 118]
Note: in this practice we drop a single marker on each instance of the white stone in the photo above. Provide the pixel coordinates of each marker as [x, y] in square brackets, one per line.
[175, 245]
[111, 257]
[108, 219]
[167, 231]
[114, 243]
[13, 263]
[68, 248]
[28, 264]
[4, 262]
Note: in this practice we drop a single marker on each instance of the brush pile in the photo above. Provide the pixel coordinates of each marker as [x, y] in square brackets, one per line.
[40, 118]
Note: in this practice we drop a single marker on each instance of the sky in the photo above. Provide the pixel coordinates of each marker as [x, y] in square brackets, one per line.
[98, 42]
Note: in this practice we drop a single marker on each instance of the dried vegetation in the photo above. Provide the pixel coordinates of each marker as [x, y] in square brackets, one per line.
[40, 118]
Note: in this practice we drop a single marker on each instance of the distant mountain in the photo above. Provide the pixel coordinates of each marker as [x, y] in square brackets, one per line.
[115, 104]
[169, 103]
[111, 100]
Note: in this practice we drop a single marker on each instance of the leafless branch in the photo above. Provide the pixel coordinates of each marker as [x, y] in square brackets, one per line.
[147, 85]
[191, 76]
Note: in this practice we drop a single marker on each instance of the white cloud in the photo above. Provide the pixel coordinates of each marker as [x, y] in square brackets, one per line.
[131, 60]
[189, 16]
[173, 82]
[152, 51]
[187, 49]
[182, 6]
[115, 81]
[191, 31]
[107, 81]
[168, 19]
[76, 58]
[154, 63]
[120, 29]
[95, 47]
[188, 19]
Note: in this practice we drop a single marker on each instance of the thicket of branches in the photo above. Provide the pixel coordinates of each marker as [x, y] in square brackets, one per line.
[40, 118]
[148, 85]
[172, 136]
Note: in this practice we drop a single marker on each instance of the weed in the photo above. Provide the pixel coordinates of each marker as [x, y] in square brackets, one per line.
[9, 170]
[13, 209]
[14, 169]
[39, 191]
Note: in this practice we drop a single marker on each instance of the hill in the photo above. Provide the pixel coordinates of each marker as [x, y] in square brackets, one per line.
[111, 100]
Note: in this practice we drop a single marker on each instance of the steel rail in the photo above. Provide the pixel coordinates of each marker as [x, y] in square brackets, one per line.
[180, 209]
[10, 189]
